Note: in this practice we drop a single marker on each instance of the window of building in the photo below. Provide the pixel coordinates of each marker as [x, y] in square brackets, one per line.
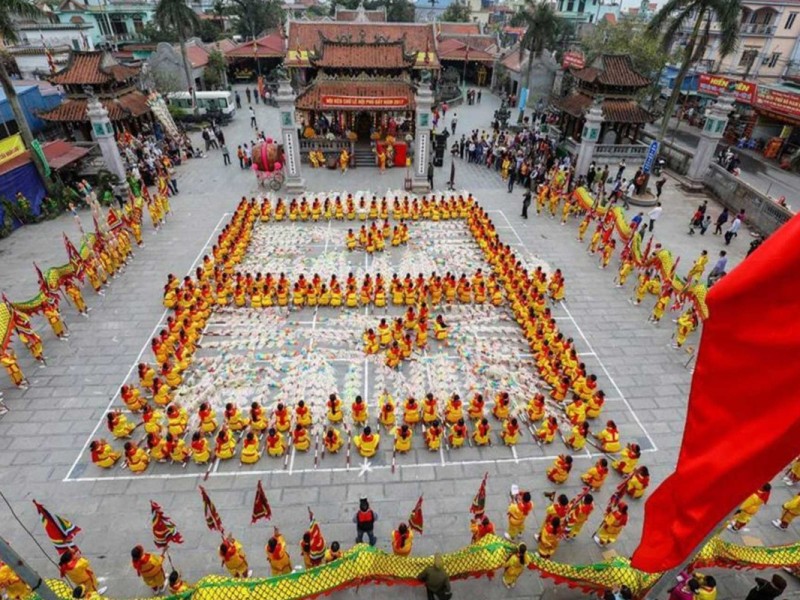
[76, 45]
[748, 57]
[561, 6]
[570, 5]
[581, 6]
[776, 56]
[790, 20]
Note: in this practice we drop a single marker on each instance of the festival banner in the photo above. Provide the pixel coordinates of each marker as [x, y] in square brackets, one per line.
[363, 101]
[573, 59]
[11, 147]
[714, 85]
[785, 103]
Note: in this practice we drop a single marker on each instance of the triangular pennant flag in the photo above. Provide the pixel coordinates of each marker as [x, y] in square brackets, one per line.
[261, 508]
[164, 530]
[479, 501]
[212, 516]
[317, 543]
[58, 529]
[75, 260]
[415, 520]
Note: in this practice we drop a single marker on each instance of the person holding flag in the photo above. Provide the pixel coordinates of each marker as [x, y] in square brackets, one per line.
[150, 567]
[79, 571]
[580, 508]
[750, 508]
[614, 521]
[402, 540]
[234, 558]
[279, 561]
[518, 511]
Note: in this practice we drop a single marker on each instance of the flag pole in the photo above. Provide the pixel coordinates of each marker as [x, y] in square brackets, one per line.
[9, 556]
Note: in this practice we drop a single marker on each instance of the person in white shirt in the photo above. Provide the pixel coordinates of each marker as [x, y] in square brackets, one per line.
[653, 215]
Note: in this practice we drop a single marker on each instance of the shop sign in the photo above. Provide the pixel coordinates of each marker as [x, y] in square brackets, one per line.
[714, 85]
[11, 147]
[786, 103]
[329, 101]
[573, 60]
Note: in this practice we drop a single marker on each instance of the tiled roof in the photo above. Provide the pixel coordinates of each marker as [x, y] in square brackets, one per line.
[132, 104]
[453, 49]
[614, 110]
[92, 68]
[59, 154]
[269, 46]
[611, 18]
[305, 35]
[197, 55]
[358, 88]
[366, 56]
[512, 60]
[445, 28]
[614, 70]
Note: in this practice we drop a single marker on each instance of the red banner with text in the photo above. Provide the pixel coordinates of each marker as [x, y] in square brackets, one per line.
[714, 85]
[363, 101]
[785, 103]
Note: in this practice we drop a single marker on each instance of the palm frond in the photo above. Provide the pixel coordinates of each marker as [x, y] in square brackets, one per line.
[665, 15]
[11, 9]
[729, 15]
[680, 21]
[702, 39]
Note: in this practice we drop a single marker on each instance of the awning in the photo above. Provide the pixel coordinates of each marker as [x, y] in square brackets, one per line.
[59, 154]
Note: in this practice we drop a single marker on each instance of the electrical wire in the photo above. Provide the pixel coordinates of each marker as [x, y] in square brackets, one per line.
[21, 524]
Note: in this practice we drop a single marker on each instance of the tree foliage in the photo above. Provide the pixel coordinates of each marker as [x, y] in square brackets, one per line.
[209, 31]
[154, 34]
[629, 36]
[676, 16]
[255, 17]
[397, 11]
[175, 16]
[457, 12]
[543, 26]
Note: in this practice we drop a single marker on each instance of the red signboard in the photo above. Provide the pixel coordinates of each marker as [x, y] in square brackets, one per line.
[363, 101]
[573, 60]
[714, 85]
[786, 103]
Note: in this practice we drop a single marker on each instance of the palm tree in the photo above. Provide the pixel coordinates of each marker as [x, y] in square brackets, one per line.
[9, 9]
[175, 15]
[542, 29]
[677, 15]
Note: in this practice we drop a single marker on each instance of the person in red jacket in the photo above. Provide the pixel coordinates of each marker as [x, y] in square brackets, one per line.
[365, 522]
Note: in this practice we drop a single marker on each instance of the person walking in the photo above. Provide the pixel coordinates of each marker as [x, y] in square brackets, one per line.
[247, 93]
[461, 145]
[479, 96]
[526, 202]
[512, 177]
[430, 175]
[454, 122]
[365, 522]
[719, 268]
[436, 580]
[660, 186]
[767, 590]
[654, 215]
[733, 230]
[226, 155]
[238, 99]
[252, 117]
[721, 220]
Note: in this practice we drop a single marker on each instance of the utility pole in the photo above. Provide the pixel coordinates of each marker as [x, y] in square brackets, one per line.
[9, 556]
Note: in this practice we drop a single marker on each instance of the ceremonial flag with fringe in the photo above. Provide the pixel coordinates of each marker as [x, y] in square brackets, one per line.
[212, 516]
[164, 530]
[261, 508]
[75, 259]
[747, 367]
[58, 529]
[415, 520]
[479, 501]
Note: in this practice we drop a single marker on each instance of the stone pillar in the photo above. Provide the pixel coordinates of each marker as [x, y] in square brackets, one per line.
[589, 138]
[103, 134]
[423, 147]
[295, 183]
[716, 120]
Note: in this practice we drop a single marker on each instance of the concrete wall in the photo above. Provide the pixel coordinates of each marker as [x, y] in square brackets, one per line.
[761, 212]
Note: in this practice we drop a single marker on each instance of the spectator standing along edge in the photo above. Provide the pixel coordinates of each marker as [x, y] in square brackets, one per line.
[767, 590]
[654, 215]
[660, 186]
[526, 202]
[719, 268]
[365, 522]
[226, 155]
[436, 580]
[733, 230]
[253, 118]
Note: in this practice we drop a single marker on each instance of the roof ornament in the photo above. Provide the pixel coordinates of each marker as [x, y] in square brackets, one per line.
[361, 13]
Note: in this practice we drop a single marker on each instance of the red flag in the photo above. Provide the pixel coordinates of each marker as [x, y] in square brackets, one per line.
[261, 509]
[58, 529]
[479, 501]
[212, 516]
[415, 520]
[317, 545]
[113, 219]
[75, 260]
[164, 530]
[750, 349]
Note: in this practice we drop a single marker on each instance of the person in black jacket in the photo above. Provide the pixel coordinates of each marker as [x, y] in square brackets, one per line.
[365, 522]
[767, 590]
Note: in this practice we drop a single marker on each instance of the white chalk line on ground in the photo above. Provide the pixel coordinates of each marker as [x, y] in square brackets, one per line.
[279, 470]
[138, 357]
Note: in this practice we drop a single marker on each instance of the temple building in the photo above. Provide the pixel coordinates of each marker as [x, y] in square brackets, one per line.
[98, 73]
[612, 81]
[357, 79]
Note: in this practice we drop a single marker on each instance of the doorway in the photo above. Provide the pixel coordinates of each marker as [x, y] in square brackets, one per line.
[363, 126]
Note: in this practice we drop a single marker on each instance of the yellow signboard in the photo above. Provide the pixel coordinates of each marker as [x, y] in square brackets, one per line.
[11, 147]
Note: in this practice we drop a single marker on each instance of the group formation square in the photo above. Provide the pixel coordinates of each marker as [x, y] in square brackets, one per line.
[284, 354]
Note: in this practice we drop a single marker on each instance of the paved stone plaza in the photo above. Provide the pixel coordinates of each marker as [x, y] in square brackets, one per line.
[45, 434]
